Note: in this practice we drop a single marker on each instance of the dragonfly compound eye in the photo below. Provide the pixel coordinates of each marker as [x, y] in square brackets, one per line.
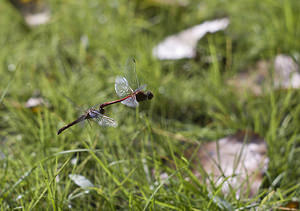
[149, 95]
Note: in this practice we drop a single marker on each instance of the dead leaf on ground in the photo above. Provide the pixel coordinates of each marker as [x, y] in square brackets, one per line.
[183, 44]
[34, 102]
[284, 73]
[253, 80]
[81, 181]
[238, 161]
[35, 12]
[290, 206]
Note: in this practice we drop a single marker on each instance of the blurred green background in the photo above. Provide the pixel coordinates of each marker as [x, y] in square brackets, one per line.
[72, 61]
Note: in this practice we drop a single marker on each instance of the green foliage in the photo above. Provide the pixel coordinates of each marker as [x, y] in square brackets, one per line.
[191, 98]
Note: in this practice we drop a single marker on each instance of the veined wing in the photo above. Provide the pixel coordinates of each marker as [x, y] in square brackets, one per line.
[105, 121]
[122, 87]
[131, 102]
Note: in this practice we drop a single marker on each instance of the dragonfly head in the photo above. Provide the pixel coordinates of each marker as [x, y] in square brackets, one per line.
[141, 96]
[149, 95]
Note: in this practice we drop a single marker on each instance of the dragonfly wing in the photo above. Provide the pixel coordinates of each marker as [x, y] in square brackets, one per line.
[122, 87]
[105, 121]
[131, 102]
[141, 88]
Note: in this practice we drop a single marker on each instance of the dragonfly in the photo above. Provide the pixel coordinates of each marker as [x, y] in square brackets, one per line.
[96, 115]
[129, 97]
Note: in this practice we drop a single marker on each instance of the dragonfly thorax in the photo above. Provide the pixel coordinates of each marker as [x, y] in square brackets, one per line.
[93, 113]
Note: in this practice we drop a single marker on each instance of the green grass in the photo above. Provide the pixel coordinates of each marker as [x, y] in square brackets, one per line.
[191, 99]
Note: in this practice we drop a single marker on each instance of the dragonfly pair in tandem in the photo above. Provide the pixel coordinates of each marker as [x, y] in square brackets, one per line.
[127, 96]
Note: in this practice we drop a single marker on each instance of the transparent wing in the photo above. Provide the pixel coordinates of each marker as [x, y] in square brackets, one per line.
[141, 88]
[122, 87]
[105, 121]
[130, 72]
[131, 102]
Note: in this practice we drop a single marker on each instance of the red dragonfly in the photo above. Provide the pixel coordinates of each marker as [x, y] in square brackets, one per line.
[128, 96]
[96, 115]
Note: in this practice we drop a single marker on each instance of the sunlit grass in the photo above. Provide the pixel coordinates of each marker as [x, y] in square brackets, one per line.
[191, 99]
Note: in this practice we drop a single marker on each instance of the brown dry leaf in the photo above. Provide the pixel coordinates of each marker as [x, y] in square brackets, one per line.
[292, 205]
[257, 79]
[239, 161]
